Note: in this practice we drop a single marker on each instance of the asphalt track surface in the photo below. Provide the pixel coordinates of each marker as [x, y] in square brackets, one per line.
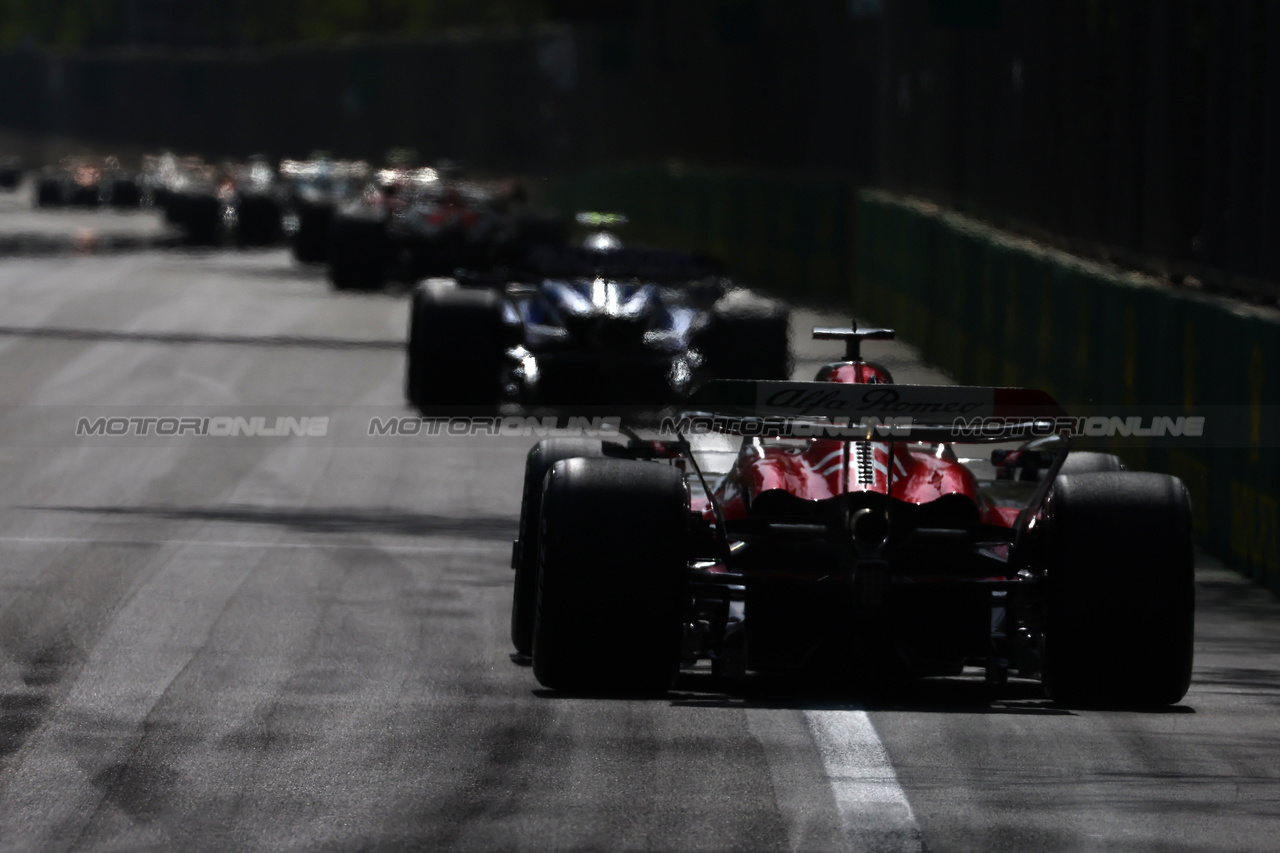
[28, 230]
[302, 643]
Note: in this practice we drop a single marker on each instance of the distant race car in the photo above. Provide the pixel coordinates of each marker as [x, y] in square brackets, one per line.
[587, 325]
[192, 195]
[240, 203]
[316, 188]
[255, 200]
[120, 188]
[73, 182]
[410, 224]
[847, 537]
[10, 172]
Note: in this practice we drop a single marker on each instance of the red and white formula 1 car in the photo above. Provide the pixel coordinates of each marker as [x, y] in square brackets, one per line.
[848, 535]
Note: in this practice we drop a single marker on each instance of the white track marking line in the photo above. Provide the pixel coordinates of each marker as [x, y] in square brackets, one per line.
[504, 545]
[873, 807]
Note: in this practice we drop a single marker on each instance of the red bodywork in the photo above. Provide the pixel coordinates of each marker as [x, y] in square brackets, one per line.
[821, 469]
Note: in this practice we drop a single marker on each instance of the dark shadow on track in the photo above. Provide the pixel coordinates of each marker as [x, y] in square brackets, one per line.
[185, 338]
[700, 689]
[937, 695]
[27, 245]
[283, 271]
[960, 695]
[335, 520]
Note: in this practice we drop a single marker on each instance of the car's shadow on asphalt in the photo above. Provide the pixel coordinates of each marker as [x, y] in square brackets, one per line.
[963, 695]
[340, 520]
[959, 695]
[199, 339]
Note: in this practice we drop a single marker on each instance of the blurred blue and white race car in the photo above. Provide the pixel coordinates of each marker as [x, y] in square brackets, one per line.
[589, 324]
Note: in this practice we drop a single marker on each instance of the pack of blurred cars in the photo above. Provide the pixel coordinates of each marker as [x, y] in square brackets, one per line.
[411, 224]
[87, 182]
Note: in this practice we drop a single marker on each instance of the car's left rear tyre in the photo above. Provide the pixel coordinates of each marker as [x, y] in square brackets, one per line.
[541, 458]
[1120, 614]
[611, 576]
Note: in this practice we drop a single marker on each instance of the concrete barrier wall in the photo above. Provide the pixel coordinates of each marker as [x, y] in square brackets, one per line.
[994, 309]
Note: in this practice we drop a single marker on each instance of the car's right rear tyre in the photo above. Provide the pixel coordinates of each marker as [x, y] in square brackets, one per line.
[1120, 612]
[1079, 462]
[1091, 462]
[611, 576]
[747, 337]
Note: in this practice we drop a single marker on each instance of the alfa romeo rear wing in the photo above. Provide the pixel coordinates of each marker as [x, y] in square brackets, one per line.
[930, 413]
[889, 413]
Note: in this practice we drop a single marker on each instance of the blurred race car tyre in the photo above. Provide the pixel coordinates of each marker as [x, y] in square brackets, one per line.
[10, 177]
[124, 193]
[1090, 462]
[357, 253]
[85, 196]
[49, 192]
[172, 205]
[311, 241]
[1080, 462]
[610, 596]
[747, 337]
[259, 221]
[201, 218]
[455, 350]
[541, 458]
[1121, 592]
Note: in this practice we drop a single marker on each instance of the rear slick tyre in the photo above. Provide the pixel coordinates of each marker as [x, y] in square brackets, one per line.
[541, 458]
[1120, 620]
[611, 575]
[455, 351]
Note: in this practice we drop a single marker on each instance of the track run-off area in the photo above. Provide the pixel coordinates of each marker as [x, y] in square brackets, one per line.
[301, 643]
